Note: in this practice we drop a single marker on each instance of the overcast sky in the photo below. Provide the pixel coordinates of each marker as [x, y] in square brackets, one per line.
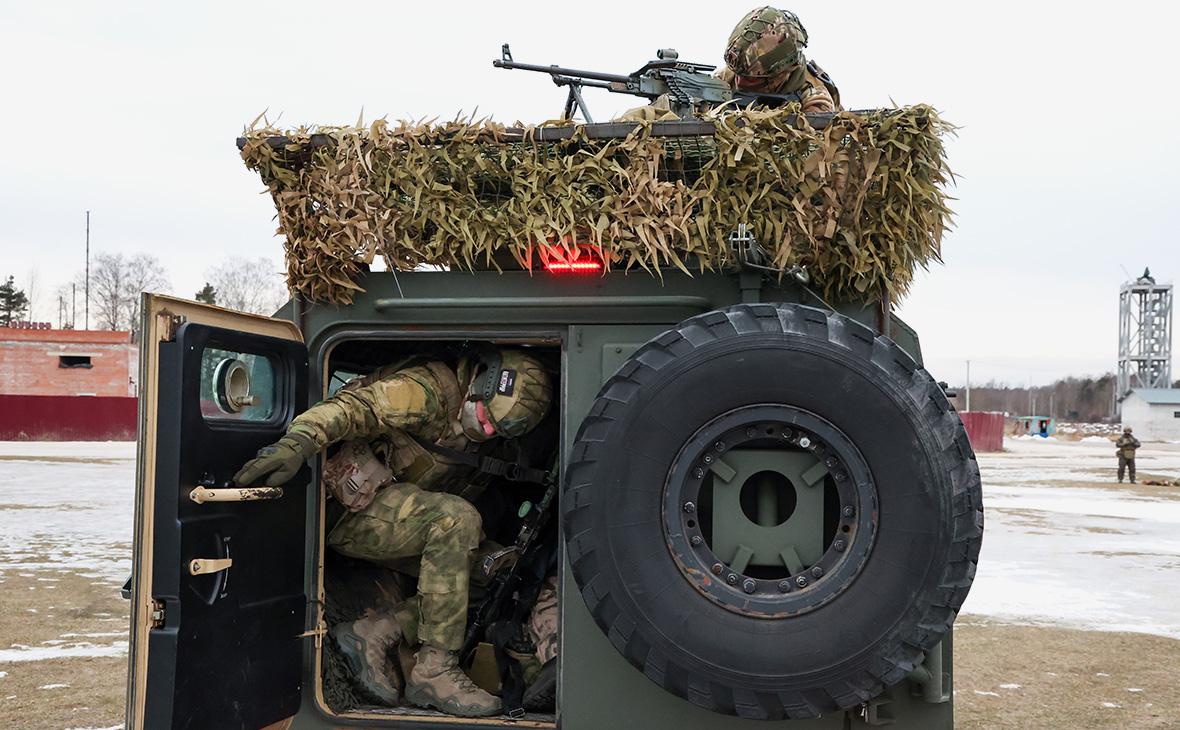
[1067, 150]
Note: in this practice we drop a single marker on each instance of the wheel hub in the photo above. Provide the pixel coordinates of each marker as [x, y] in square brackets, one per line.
[769, 511]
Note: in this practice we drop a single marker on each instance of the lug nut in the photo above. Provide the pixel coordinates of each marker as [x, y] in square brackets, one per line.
[708, 459]
[831, 461]
[699, 473]
[697, 540]
[751, 432]
[849, 511]
[689, 507]
[717, 568]
[838, 545]
[817, 572]
[749, 586]
[804, 441]
[801, 581]
[787, 433]
[838, 476]
[731, 579]
[719, 446]
[784, 586]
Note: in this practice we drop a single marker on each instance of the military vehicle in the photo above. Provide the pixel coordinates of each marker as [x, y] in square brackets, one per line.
[769, 512]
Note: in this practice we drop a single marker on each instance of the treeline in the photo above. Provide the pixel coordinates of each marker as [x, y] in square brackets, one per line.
[116, 281]
[1070, 399]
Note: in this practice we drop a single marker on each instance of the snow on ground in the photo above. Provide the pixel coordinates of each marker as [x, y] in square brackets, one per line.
[1063, 545]
[67, 505]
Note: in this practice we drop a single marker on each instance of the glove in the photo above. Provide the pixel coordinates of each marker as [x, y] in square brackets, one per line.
[280, 461]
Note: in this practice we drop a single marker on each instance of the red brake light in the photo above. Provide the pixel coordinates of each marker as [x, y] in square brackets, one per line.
[572, 259]
[573, 267]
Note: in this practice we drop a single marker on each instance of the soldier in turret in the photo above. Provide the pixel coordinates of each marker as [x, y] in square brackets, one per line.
[765, 54]
[410, 510]
[1125, 448]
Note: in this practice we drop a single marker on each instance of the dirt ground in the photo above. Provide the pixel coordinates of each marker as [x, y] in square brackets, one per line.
[80, 623]
[1009, 676]
[1025, 655]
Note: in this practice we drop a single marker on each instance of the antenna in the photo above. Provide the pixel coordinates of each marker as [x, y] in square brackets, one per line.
[86, 294]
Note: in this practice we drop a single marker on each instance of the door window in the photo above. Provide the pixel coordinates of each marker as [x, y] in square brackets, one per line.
[237, 386]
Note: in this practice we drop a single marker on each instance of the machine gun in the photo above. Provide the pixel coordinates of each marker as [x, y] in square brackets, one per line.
[689, 86]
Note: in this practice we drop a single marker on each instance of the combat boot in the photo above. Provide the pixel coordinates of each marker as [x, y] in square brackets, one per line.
[437, 681]
[365, 644]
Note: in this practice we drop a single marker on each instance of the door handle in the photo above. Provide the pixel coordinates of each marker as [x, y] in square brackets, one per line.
[201, 495]
[206, 566]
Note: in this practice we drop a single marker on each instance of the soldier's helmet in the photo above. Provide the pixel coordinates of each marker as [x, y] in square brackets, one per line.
[516, 390]
[766, 42]
[1127, 429]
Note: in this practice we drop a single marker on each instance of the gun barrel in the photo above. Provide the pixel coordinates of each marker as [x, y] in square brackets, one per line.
[560, 71]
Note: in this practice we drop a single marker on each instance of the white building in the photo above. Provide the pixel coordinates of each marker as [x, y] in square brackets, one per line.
[1154, 413]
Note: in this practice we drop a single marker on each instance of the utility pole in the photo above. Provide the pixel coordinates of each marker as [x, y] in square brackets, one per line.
[73, 305]
[968, 385]
[87, 293]
[61, 312]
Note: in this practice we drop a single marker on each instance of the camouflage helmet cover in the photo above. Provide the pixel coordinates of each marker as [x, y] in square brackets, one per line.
[766, 42]
[516, 390]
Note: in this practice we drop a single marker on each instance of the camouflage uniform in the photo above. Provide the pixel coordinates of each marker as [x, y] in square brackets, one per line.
[1125, 448]
[413, 525]
[764, 55]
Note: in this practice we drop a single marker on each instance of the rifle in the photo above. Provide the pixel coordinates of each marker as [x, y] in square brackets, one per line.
[507, 580]
[689, 86]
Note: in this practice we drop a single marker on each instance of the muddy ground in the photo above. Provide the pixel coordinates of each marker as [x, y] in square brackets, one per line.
[1067, 551]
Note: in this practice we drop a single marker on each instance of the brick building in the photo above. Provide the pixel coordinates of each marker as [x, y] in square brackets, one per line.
[67, 362]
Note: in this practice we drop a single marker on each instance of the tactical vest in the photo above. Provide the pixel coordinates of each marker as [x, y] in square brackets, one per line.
[409, 460]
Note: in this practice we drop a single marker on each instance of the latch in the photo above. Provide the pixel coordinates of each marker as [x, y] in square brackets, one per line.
[157, 614]
[320, 630]
[206, 566]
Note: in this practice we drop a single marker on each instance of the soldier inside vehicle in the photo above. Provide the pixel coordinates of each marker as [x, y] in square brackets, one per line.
[440, 476]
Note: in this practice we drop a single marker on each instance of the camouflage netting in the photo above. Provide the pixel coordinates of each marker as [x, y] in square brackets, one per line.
[859, 204]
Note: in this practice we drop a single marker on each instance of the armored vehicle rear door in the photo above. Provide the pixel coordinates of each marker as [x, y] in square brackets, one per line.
[218, 591]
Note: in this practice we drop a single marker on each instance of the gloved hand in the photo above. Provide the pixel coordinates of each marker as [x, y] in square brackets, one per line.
[280, 461]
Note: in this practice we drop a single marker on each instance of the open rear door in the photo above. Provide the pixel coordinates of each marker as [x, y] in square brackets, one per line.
[218, 598]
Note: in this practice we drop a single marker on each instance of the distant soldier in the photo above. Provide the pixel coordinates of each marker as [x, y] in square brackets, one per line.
[1125, 448]
[765, 55]
[411, 434]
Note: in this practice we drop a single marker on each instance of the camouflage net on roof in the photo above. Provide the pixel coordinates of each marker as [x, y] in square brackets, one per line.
[860, 204]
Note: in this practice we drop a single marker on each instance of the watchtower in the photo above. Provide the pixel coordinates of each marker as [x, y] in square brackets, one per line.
[1145, 335]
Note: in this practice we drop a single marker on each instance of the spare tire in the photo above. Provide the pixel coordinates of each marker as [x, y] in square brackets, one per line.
[773, 512]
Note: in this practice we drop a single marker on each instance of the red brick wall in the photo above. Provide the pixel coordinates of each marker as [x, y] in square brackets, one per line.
[29, 362]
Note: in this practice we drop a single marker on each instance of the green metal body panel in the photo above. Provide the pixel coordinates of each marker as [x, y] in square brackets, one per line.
[598, 321]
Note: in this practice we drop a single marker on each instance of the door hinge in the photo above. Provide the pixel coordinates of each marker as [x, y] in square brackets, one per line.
[320, 630]
[169, 323]
[157, 614]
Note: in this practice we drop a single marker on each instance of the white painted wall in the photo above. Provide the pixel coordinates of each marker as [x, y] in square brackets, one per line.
[1151, 422]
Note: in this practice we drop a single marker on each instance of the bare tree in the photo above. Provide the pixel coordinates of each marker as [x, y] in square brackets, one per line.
[144, 273]
[108, 285]
[31, 292]
[248, 285]
[116, 282]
